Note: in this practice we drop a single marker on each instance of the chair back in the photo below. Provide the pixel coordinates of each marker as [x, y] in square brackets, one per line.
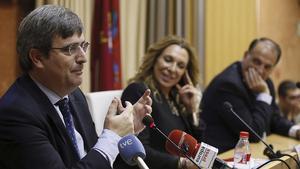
[98, 104]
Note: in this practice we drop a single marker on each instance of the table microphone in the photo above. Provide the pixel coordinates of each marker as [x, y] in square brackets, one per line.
[269, 148]
[132, 151]
[204, 155]
[148, 121]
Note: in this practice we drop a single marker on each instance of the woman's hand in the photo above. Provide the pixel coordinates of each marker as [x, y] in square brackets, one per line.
[190, 96]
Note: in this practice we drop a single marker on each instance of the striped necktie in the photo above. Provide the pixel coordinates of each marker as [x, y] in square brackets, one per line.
[64, 108]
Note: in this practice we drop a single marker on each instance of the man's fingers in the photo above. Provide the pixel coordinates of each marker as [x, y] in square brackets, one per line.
[247, 78]
[252, 76]
[255, 76]
[120, 106]
[148, 109]
[128, 108]
[112, 109]
[147, 93]
[128, 104]
[146, 99]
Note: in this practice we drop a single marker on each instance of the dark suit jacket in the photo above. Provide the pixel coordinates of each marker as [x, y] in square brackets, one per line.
[34, 137]
[222, 127]
[154, 142]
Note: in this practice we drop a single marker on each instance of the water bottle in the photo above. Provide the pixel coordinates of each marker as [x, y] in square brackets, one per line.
[242, 153]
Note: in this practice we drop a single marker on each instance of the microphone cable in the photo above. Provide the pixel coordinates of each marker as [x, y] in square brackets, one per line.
[274, 159]
[283, 154]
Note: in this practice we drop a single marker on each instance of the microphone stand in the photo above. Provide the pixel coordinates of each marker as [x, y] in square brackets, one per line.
[269, 148]
[268, 151]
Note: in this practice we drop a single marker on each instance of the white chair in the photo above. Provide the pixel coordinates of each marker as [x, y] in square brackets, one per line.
[98, 104]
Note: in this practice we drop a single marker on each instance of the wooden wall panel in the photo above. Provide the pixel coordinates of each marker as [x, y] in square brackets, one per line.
[11, 12]
[278, 20]
[8, 55]
[229, 27]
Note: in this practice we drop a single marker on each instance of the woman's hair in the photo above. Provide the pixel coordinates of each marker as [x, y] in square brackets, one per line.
[145, 71]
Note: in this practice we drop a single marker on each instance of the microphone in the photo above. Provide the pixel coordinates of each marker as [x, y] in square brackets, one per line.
[132, 151]
[183, 152]
[148, 121]
[203, 154]
[269, 148]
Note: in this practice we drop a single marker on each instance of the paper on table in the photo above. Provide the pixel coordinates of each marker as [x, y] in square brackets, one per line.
[254, 163]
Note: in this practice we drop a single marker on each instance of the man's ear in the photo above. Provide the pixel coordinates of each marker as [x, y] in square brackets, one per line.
[36, 57]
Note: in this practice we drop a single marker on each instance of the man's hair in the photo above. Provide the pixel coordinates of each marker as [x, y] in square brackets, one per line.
[285, 86]
[39, 27]
[275, 46]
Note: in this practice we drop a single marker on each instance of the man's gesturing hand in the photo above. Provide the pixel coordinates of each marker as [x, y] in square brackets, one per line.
[140, 109]
[130, 118]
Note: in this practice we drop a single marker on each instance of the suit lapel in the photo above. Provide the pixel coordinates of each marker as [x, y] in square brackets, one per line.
[58, 128]
[47, 109]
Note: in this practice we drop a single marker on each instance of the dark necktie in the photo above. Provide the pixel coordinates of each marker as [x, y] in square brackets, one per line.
[64, 108]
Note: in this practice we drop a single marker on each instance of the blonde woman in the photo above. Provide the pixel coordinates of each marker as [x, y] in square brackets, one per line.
[170, 69]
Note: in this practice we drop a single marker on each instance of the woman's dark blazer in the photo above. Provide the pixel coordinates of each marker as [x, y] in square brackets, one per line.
[154, 142]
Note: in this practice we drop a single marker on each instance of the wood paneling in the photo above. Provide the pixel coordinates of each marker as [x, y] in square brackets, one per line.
[8, 55]
[11, 12]
[278, 20]
[229, 27]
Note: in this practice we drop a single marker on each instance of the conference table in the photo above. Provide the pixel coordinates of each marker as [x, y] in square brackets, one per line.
[281, 143]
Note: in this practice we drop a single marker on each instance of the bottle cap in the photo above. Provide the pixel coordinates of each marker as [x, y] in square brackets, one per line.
[244, 134]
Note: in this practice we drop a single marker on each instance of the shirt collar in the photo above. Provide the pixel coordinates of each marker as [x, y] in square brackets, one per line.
[53, 97]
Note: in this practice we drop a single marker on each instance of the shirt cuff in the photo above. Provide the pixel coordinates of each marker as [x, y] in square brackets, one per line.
[264, 97]
[293, 130]
[107, 145]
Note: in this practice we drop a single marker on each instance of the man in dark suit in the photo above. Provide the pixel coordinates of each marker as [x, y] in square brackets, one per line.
[44, 117]
[247, 86]
[289, 100]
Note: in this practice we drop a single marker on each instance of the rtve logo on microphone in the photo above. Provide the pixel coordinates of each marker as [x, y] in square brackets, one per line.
[206, 155]
[127, 142]
[202, 154]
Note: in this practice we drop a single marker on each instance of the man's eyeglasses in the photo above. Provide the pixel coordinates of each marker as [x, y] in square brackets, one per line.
[74, 48]
[293, 97]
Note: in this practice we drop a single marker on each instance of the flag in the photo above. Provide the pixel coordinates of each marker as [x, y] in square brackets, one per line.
[105, 52]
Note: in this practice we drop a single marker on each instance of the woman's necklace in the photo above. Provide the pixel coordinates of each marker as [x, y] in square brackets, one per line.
[172, 106]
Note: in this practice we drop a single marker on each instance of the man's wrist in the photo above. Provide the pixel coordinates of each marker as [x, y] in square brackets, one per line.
[264, 97]
[293, 131]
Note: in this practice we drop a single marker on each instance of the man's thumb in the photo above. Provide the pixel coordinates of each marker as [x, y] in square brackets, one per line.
[112, 109]
[128, 108]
